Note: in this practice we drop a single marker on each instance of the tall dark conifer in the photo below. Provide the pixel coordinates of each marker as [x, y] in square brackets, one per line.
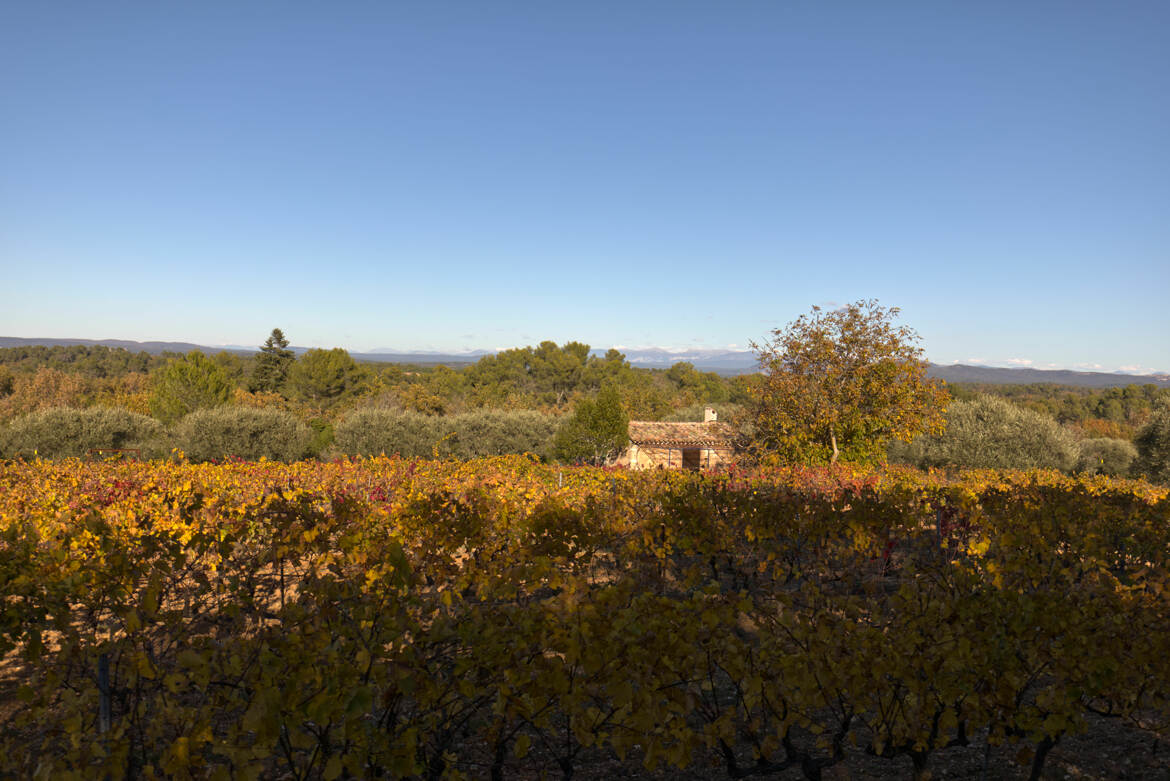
[272, 364]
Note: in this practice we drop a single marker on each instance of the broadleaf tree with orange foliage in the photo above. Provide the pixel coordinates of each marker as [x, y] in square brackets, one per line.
[843, 384]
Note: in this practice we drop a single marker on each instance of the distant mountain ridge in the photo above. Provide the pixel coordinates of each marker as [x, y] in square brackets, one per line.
[1000, 376]
[721, 361]
[154, 348]
[725, 362]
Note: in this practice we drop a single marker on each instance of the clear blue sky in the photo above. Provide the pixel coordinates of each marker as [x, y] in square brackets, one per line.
[434, 175]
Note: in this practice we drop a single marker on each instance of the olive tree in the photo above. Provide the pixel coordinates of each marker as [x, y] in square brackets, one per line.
[1105, 456]
[372, 431]
[991, 433]
[60, 432]
[242, 432]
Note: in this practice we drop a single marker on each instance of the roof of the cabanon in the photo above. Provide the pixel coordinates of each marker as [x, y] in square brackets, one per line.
[658, 434]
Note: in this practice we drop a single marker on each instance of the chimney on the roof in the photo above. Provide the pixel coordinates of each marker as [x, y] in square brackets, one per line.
[709, 415]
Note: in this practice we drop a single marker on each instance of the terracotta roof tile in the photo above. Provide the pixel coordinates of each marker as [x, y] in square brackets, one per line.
[654, 433]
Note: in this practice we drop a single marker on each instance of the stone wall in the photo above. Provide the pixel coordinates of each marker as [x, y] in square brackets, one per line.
[652, 457]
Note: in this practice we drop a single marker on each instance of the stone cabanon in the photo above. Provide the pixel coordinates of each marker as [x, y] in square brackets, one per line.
[697, 446]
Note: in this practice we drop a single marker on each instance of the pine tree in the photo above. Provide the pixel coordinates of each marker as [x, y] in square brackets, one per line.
[272, 364]
[323, 377]
[187, 384]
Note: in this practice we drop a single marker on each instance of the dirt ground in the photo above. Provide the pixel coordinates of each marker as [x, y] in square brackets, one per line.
[1110, 749]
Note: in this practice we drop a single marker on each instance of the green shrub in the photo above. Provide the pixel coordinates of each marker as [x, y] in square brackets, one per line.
[1102, 456]
[988, 432]
[1153, 446]
[322, 435]
[373, 431]
[61, 432]
[496, 432]
[596, 431]
[242, 432]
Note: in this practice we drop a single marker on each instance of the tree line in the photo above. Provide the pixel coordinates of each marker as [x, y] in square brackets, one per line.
[547, 377]
[843, 385]
[1096, 412]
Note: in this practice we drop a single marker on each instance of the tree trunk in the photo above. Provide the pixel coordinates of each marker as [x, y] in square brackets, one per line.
[1042, 749]
[833, 440]
[921, 763]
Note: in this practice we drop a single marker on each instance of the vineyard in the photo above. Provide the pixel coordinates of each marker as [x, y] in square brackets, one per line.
[504, 619]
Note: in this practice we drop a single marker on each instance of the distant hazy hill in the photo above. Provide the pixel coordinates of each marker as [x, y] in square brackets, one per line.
[721, 361]
[422, 359]
[154, 348]
[991, 374]
[726, 362]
